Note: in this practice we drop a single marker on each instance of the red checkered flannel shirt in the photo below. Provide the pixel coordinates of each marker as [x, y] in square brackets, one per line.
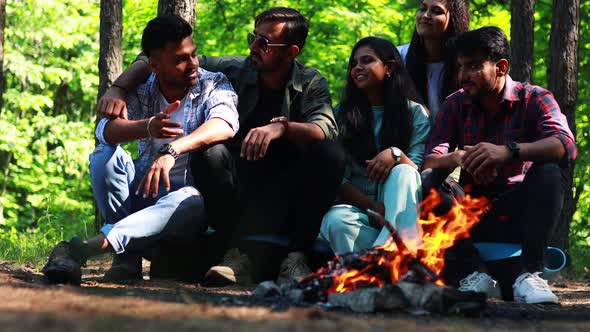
[528, 114]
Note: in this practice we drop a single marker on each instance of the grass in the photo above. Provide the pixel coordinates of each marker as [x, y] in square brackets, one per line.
[27, 248]
[32, 246]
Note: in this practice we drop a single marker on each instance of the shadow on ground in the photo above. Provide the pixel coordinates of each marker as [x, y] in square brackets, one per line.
[27, 304]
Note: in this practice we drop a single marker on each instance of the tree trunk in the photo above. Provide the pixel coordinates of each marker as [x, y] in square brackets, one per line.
[562, 79]
[110, 62]
[522, 23]
[2, 26]
[182, 8]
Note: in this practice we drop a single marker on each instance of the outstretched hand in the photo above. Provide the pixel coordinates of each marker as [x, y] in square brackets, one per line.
[162, 127]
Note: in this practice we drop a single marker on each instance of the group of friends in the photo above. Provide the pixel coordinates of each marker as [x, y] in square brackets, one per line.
[249, 145]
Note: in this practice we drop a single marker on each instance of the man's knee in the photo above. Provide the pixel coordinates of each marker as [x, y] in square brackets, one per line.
[546, 176]
[214, 158]
[111, 163]
[328, 155]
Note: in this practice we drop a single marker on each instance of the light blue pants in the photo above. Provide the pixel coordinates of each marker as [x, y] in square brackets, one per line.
[136, 222]
[348, 228]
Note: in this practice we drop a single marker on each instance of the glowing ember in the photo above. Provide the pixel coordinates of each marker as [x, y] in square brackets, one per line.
[376, 266]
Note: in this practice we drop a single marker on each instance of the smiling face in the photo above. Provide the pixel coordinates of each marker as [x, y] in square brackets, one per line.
[176, 64]
[367, 70]
[432, 19]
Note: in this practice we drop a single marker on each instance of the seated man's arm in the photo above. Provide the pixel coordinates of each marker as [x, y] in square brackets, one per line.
[118, 131]
[221, 123]
[318, 123]
[318, 115]
[557, 140]
[554, 144]
[112, 103]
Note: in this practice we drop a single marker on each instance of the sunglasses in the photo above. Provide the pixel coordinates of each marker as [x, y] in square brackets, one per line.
[262, 43]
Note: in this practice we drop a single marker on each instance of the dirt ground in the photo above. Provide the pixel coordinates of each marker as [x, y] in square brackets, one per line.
[27, 304]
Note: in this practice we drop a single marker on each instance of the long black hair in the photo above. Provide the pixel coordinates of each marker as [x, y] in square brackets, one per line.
[355, 119]
[416, 56]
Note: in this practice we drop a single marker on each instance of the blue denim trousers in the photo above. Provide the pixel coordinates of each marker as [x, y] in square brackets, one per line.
[133, 222]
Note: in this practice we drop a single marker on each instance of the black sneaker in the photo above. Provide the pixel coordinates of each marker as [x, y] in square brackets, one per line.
[235, 269]
[65, 262]
[293, 268]
[125, 267]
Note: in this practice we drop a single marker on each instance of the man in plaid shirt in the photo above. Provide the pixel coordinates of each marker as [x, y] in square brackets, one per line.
[494, 128]
[180, 109]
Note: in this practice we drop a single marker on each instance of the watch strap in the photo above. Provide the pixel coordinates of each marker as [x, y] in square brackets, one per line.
[514, 150]
[168, 149]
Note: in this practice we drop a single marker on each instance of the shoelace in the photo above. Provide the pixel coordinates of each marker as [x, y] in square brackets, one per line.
[536, 282]
[471, 280]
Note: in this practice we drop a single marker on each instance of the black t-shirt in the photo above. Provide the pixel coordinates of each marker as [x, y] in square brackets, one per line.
[281, 152]
[268, 106]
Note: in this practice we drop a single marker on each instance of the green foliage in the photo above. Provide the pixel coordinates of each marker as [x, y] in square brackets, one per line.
[51, 56]
[51, 52]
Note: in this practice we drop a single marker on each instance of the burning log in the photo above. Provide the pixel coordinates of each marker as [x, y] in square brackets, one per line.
[368, 300]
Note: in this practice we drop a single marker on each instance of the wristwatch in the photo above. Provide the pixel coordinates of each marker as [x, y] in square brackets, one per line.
[168, 149]
[281, 119]
[396, 153]
[514, 149]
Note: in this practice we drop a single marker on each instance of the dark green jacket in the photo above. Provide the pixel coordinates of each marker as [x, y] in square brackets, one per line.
[307, 97]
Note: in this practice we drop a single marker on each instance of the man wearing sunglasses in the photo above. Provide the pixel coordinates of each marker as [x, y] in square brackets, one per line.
[280, 173]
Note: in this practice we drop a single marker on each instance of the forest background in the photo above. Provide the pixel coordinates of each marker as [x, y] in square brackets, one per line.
[51, 52]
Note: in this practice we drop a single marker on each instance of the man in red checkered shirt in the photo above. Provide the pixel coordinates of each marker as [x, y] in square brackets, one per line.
[494, 128]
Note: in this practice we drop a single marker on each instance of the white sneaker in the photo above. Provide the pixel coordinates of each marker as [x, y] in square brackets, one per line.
[482, 283]
[530, 288]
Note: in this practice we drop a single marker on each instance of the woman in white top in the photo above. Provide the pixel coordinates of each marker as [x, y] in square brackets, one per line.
[427, 58]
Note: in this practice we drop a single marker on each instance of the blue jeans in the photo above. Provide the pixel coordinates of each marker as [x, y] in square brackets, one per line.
[131, 221]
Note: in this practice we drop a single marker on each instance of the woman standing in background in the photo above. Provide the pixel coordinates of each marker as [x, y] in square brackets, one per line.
[429, 62]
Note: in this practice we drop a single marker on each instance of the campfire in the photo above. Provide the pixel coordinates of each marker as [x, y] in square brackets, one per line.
[389, 263]
[394, 276]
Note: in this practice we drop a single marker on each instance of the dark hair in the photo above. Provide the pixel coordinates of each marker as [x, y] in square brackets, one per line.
[296, 26]
[416, 56]
[162, 30]
[489, 42]
[355, 118]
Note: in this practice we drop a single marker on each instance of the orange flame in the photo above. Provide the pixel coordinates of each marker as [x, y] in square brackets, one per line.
[438, 233]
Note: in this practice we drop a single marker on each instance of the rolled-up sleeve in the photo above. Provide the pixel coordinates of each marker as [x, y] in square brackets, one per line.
[99, 131]
[443, 135]
[222, 103]
[317, 107]
[552, 123]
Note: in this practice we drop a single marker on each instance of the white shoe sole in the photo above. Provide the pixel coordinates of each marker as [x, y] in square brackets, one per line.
[540, 300]
[224, 277]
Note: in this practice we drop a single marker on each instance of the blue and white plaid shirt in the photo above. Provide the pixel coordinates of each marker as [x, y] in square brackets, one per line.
[212, 97]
